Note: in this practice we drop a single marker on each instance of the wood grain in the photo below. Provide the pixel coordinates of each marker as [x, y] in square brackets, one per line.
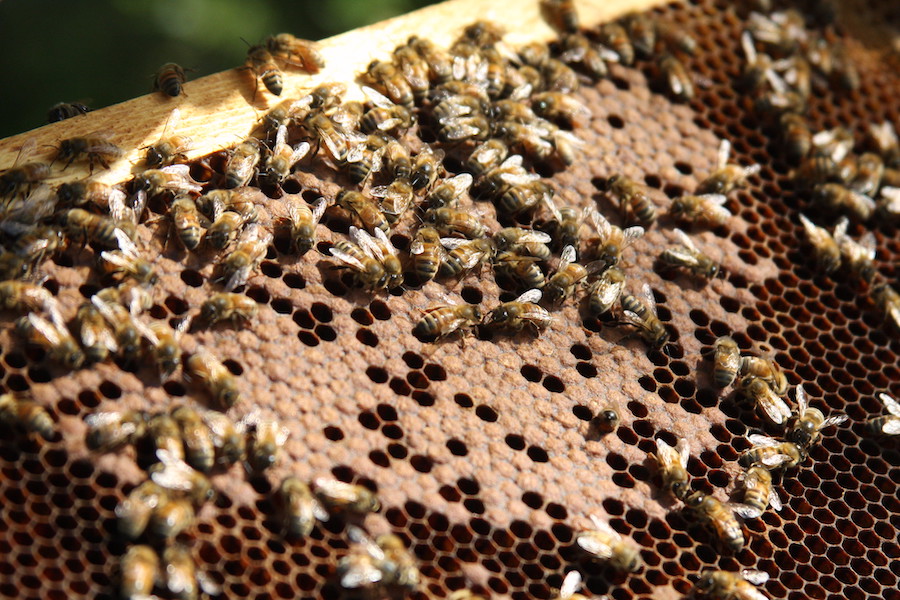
[217, 111]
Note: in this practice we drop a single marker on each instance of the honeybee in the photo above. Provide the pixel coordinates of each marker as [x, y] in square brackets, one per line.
[385, 562]
[770, 453]
[727, 361]
[163, 340]
[676, 77]
[366, 210]
[642, 33]
[614, 36]
[869, 173]
[882, 137]
[95, 334]
[200, 452]
[367, 159]
[264, 442]
[171, 518]
[20, 177]
[110, 429]
[374, 261]
[561, 15]
[560, 108]
[343, 147]
[758, 390]
[612, 240]
[224, 306]
[796, 135]
[427, 253]
[486, 156]
[578, 51]
[447, 193]
[604, 293]
[251, 248]
[206, 368]
[463, 255]
[828, 253]
[66, 110]
[390, 81]
[809, 423]
[523, 198]
[30, 415]
[339, 497]
[605, 543]
[228, 437]
[165, 434]
[632, 198]
[724, 585]
[183, 480]
[127, 262]
[641, 313]
[758, 490]
[134, 512]
[836, 197]
[726, 177]
[705, 209]
[95, 148]
[21, 296]
[888, 424]
[887, 208]
[303, 221]
[262, 63]
[169, 149]
[186, 220]
[78, 193]
[765, 369]
[857, 256]
[440, 321]
[139, 572]
[242, 201]
[721, 517]
[888, 300]
[523, 242]
[396, 198]
[282, 158]
[181, 575]
[301, 509]
[449, 221]
[169, 80]
[568, 274]
[242, 162]
[687, 256]
[523, 270]
[54, 337]
[606, 421]
[385, 116]
[515, 315]
[81, 224]
[302, 54]
[835, 143]
[414, 69]
[676, 38]
[494, 180]
[121, 319]
[673, 467]
[439, 64]
[426, 168]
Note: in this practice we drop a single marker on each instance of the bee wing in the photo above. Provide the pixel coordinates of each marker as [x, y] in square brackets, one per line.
[599, 546]
[300, 151]
[460, 183]
[208, 584]
[532, 236]
[891, 427]
[649, 300]
[802, 400]
[319, 209]
[26, 151]
[631, 235]
[603, 227]
[186, 183]
[346, 258]
[666, 454]
[764, 441]
[867, 245]
[567, 257]
[890, 403]
[280, 136]
[744, 511]
[175, 475]
[453, 243]
[834, 420]
[713, 204]
[551, 206]
[748, 46]
[365, 241]
[146, 331]
[686, 241]
[755, 577]
[817, 235]
[570, 584]
[775, 500]
[104, 418]
[723, 154]
[533, 296]
[891, 197]
[775, 408]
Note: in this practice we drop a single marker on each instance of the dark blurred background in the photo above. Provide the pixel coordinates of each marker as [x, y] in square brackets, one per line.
[101, 52]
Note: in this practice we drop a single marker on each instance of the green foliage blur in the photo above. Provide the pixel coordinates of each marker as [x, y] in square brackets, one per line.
[101, 52]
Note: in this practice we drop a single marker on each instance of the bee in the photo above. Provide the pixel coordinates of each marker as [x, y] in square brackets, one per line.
[724, 585]
[605, 543]
[439, 64]
[228, 437]
[242, 162]
[765, 369]
[20, 177]
[182, 481]
[612, 240]
[374, 261]
[66, 110]
[464, 255]
[165, 434]
[224, 306]
[366, 210]
[396, 198]
[414, 69]
[888, 300]
[385, 116]
[524, 270]
[110, 429]
[79, 193]
[343, 147]
[186, 220]
[139, 572]
[249, 251]
[828, 253]
[264, 442]
[758, 390]
[440, 321]
[673, 467]
[580, 52]
[80, 224]
[200, 452]
[95, 148]
[836, 197]
[676, 77]
[447, 193]
[95, 334]
[30, 415]
[770, 453]
[281, 159]
[633, 198]
[207, 370]
[171, 518]
[368, 158]
[758, 490]
[339, 497]
[726, 361]
[390, 81]
[287, 112]
[301, 509]
[53, 337]
[121, 319]
[163, 340]
[604, 293]
[262, 63]
[641, 313]
[515, 315]
[427, 254]
[163, 153]
[809, 423]
[303, 221]
[642, 33]
[614, 36]
[561, 15]
[181, 575]
[559, 108]
[302, 54]
[676, 38]
[495, 180]
[857, 256]
[721, 517]
[127, 262]
[796, 135]
[242, 201]
[706, 209]
[888, 206]
[606, 421]
[523, 242]
[687, 256]
[726, 177]
[568, 274]
[385, 562]
[426, 168]
[474, 127]
[869, 173]
[450, 221]
[21, 296]
[523, 198]
[882, 138]
[887, 424]
[486, 156]
[134, 512]
[169, 80]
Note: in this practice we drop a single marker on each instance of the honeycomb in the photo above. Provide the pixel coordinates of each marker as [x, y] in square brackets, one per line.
[483, 451]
